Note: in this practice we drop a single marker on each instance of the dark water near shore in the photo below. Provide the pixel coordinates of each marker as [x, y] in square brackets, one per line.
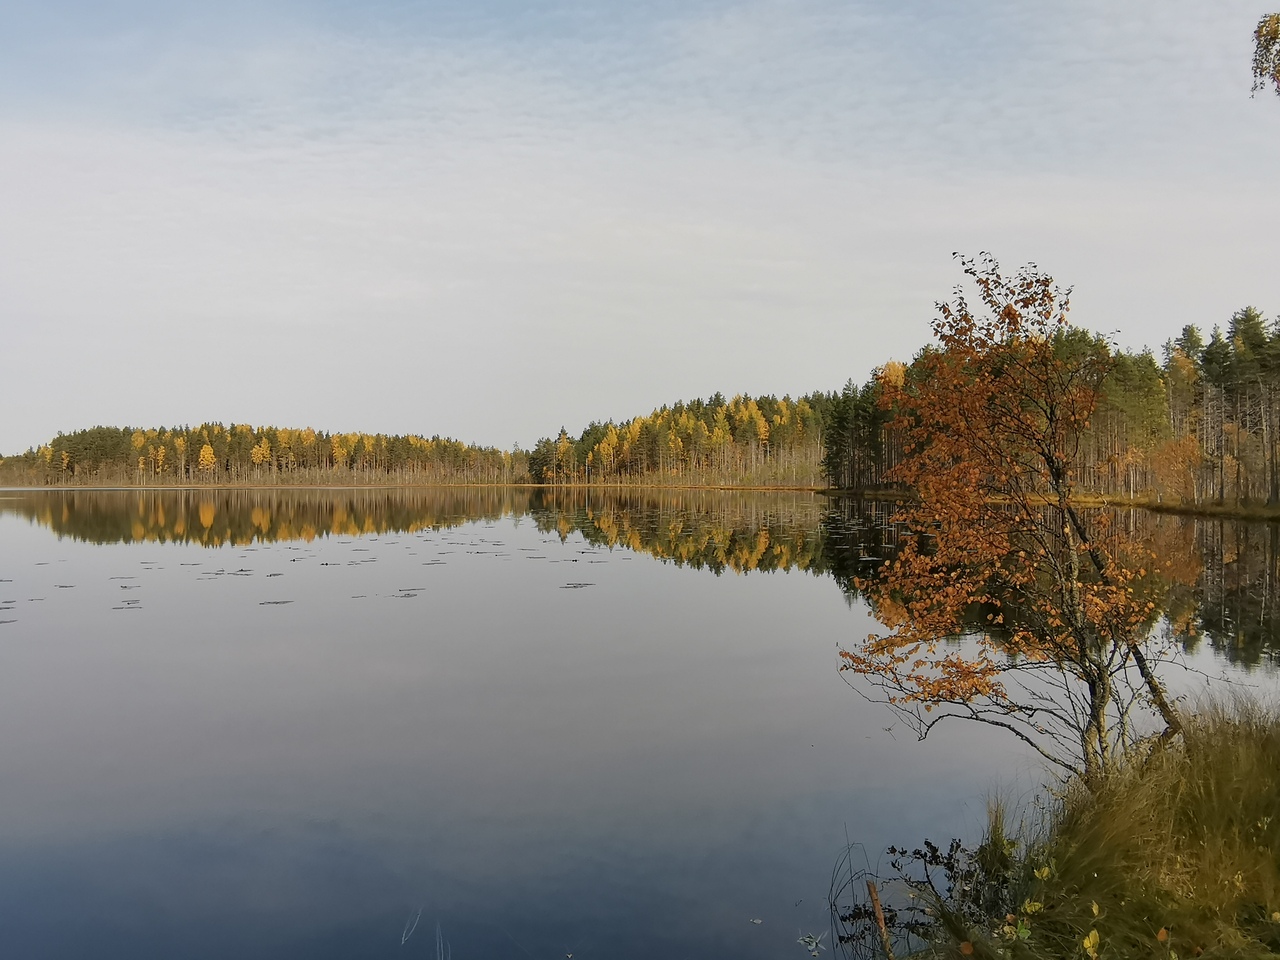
[288, 723]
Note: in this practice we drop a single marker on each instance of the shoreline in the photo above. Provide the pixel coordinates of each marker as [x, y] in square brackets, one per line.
[1260, 512]
[115, 488]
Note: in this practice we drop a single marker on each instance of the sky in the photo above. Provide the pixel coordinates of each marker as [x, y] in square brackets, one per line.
[489, 219]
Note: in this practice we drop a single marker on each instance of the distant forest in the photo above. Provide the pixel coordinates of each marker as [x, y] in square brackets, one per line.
[756, 441]
[750, 441]
[1199, 425]
[240, 454]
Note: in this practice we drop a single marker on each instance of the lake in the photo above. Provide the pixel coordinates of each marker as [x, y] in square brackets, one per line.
[508, 723]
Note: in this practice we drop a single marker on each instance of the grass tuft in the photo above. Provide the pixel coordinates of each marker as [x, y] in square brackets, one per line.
[1177, 855]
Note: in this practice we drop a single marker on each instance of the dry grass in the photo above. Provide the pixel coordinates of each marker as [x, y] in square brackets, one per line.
[1178, 855]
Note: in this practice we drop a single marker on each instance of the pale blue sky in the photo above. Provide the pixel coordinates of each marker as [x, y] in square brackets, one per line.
[488, 219]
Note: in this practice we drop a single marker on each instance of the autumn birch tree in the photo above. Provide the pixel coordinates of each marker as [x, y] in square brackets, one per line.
[1008, 604]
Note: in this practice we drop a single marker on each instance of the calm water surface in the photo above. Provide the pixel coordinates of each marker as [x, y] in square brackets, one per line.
[291, 724]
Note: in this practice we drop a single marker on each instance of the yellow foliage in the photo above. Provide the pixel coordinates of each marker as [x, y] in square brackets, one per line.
[207, 459]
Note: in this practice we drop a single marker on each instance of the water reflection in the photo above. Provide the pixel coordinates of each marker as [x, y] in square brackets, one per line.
[702, 529]
[431, 722]
[1236, 593]
[218, 517]
[1218, 580]
[367, 703]
[1213, 581]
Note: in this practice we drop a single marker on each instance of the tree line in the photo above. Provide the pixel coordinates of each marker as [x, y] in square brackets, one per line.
[241, 454]
[751, 441]
[747, 441]
[1198, 426]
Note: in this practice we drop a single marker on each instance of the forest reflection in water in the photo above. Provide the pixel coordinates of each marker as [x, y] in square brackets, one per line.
[720, 531]
[1218, 583]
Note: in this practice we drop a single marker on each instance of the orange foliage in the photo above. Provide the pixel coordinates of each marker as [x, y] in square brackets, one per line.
[1053, 606]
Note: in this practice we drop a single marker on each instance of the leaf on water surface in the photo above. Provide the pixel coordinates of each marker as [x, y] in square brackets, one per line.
[576, 586]
[811, 943]
[273, 603]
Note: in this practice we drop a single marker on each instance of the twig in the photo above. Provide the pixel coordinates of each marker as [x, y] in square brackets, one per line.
[884, 930]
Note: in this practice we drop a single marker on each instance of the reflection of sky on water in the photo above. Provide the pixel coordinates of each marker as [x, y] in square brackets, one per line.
[632, 769]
